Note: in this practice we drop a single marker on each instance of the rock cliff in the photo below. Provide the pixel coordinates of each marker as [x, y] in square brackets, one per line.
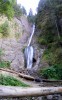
[15, 42]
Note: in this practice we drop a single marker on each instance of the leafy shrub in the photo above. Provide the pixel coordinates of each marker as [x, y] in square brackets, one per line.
[41, 41]
[4, 29]
[58, 56]
[9, 80]
[48, 56]
[53, 72]
[53, 53]
[10, 12]
[6, 7]
[4, 64]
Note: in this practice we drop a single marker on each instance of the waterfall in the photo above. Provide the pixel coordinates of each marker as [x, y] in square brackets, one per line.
[29, 52]
[29, 57]
[31, 35]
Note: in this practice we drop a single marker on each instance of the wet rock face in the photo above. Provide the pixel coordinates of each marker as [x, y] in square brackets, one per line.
[38, 52]
[12, 53]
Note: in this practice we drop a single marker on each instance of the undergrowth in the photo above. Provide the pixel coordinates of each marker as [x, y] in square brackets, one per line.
[4, 29]
[4, 64]
[11, 81]
[53, 72]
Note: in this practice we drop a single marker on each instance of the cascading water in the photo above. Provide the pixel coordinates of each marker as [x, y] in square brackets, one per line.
[31, 35]
[29, 52]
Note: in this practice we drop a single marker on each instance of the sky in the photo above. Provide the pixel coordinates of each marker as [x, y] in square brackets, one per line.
[29, 4]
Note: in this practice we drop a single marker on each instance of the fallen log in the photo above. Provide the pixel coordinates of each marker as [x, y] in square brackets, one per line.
[49, 80]
[10, 91]
[28, 77]
[8, 70]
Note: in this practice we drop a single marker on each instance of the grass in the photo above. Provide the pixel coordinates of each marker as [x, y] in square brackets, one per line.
[11, 81]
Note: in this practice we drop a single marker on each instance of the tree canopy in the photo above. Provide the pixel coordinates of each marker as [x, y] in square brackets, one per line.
[10, 8]
[48, 20]
[31, 17]
[6, 7]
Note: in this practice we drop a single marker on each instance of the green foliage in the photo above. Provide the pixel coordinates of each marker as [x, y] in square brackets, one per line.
[31, 17]
[10, 12]
[23, 10]
[4, 29]
[48, 20]
[41, 41]
[58, 55]
[49, 28]
[53, 54]
[48, 57]
[17, 10]
[9, 80]
[10, 8]
[53, 72]
[6, 7]
[4, 64]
